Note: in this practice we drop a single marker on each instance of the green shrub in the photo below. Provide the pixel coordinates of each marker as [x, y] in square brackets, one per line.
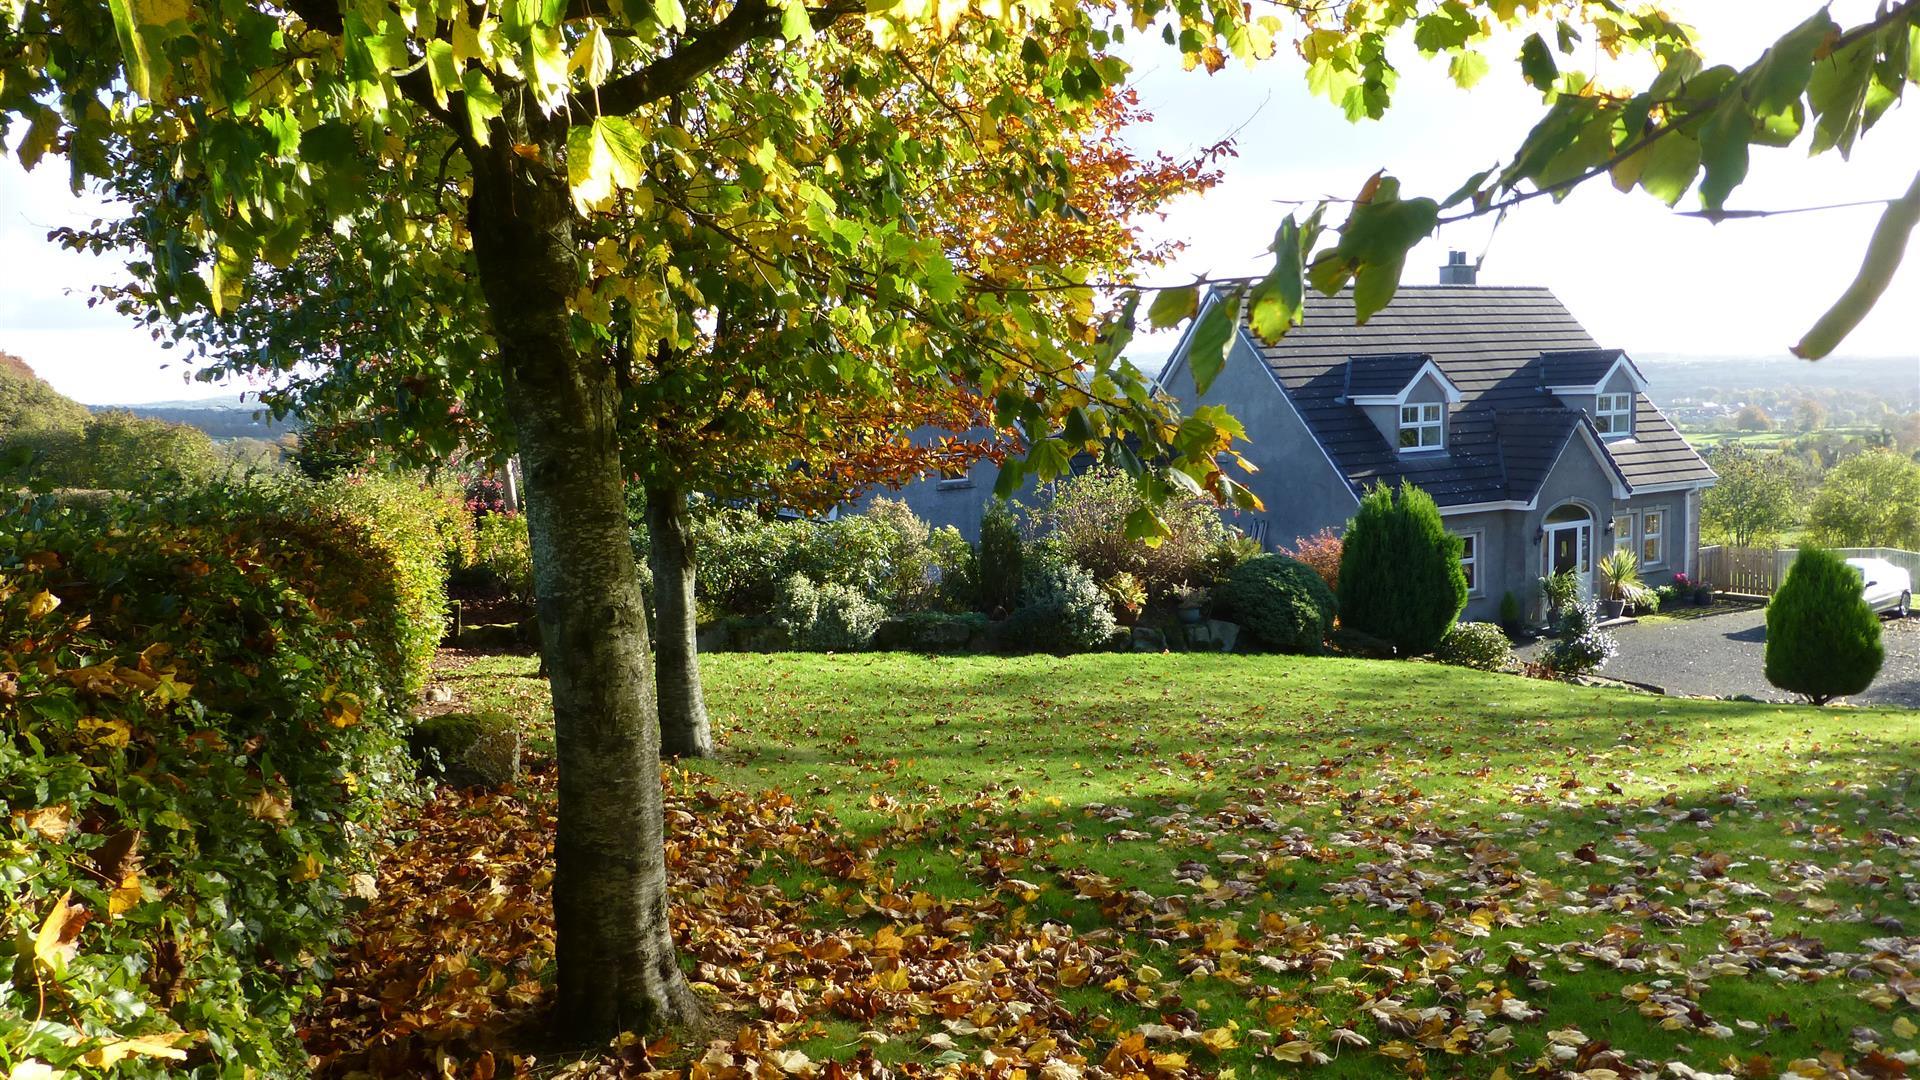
[1232, 549]
[1281, 603]
[199, 720]
[1061, 611]
[827, 618]
[1823, 641]
[1086, 516]
[398, 521]
[1560, 591]
[1400, 575]
[1667, 596]
[1002, 557]
[1511, 619]
[931, 632]
[468, 750]
[502, 547]
[1475, 645]
[119, 451]
[886, 554]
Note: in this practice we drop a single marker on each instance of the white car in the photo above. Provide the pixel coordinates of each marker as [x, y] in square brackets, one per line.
[1886, 587]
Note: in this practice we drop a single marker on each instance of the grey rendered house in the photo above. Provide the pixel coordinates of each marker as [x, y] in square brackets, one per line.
[1540, 446]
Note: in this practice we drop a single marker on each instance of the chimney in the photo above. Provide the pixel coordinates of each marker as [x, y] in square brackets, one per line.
[1458, 270]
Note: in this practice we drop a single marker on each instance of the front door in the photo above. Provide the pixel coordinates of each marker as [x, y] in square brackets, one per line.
[1570, 547]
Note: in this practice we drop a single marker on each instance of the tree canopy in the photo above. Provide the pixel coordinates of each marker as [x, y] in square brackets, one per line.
[541, 159]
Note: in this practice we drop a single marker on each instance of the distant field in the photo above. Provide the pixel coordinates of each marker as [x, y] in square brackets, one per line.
[1760, 440]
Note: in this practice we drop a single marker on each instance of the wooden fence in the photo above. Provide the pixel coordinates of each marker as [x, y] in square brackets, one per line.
[1759, 571]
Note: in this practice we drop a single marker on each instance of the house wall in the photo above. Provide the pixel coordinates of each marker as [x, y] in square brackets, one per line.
[1302, 491]
[1682, 532]
[1502, 550]
[940, 503]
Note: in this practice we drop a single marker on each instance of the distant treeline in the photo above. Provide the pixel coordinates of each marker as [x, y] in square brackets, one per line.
[220, 423]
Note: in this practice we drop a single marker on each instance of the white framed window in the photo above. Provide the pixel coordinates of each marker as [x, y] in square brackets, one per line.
[1422, 427]
[1470, 561]
[1623, 530]
[955, 481]
[1613, 415]
[1653, 537]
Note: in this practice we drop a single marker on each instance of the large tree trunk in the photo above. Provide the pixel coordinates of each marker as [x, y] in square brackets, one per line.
[684, 729]
[617, 966]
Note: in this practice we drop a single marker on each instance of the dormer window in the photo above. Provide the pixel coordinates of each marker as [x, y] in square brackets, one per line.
[1422, 427]
[1613, 415]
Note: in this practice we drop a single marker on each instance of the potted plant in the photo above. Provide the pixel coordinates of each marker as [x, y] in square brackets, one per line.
[1682, 587]
[1703, 593]
[1560, 591]
[1191, 599]
[1621, 571]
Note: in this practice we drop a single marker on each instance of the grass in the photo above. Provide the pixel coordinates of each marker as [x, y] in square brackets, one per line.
[1338, 844]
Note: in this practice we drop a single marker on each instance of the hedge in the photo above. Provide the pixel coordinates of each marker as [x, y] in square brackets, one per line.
[202, 701]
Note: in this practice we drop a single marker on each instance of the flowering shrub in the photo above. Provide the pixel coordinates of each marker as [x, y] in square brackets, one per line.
[1582, 646]
[200, 707]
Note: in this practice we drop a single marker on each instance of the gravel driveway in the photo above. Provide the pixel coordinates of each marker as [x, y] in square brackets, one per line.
[1719, 652]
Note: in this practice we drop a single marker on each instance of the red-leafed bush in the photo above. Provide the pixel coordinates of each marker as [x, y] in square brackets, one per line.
[1321, 551]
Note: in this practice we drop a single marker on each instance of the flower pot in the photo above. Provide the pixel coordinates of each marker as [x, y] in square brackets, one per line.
[1190, 616]
[1703, 596]
[1611, 609]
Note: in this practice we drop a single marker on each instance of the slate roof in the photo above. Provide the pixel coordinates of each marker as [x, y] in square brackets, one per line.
[1578, 367]
[1388, 374]
[1489, 341]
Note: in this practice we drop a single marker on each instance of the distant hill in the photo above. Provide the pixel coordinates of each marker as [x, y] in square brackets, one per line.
[1893, 379]
[219, 418]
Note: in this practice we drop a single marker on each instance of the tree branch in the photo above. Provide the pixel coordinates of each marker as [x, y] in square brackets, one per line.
[698, 54]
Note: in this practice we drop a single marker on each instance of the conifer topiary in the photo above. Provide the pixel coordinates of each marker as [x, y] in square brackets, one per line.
[1823, 641]
[1400, 574]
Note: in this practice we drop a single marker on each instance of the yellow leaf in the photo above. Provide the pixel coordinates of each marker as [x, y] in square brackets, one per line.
[125, 897]
[268, 807]
[42, 604]
[1905, 1028]
[52, 946]
[52, 822]
[107, 1055]
[107, 732]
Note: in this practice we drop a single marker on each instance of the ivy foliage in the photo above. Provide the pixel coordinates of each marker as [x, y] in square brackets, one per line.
[201, 699]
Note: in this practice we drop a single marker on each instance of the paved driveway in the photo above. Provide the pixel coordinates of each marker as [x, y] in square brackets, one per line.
[1719, 651]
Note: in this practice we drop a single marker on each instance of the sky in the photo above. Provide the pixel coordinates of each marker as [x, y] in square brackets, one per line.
[1639, 276]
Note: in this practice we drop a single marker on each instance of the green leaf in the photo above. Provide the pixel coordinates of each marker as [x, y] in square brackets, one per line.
[593, 57]
[1672, 162]
[441, 69]
[483, 102]
[670, 14]
[603, 157]
[143, 27]
[1884, 253]
[795, 23]
[1171, 306]
[1837, 90]
[1780, 76]
[1277, 304]
[1468, 68]
[1146, 526]
[1536, 63]
[1212, 337]
[1723, 150]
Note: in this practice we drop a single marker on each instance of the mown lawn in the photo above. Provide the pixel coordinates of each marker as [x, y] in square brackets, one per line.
[1363, 865]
